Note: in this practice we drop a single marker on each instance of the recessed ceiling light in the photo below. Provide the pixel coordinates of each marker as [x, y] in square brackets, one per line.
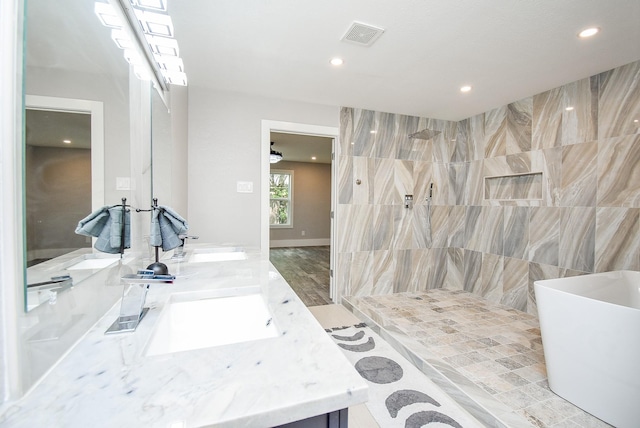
[465, 88]
[569, 108]
[313, 158]
[337, 61]
[66, 141]
[588, 32]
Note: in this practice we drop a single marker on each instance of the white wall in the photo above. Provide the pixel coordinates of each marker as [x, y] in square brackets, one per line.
[224, 148]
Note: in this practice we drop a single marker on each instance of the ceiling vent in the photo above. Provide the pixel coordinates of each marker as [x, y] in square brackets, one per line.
[362, 34]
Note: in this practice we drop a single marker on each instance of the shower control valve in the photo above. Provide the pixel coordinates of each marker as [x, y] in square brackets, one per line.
[408, 201]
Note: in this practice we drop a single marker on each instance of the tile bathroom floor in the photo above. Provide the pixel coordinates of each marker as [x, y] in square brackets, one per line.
[475, 349]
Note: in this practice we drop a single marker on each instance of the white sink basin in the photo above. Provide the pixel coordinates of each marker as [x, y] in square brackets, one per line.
[208, 322]
[97, 263]
[218, 255]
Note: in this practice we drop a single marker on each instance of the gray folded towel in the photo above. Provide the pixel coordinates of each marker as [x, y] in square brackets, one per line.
[166, 226]
[106, 225]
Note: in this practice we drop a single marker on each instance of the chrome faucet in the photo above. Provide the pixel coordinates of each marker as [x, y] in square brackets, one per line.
[178, 253]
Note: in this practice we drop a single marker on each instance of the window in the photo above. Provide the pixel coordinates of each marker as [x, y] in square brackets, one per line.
[281, 198]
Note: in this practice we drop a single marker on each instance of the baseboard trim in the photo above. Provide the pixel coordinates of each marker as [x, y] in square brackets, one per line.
[299, 243]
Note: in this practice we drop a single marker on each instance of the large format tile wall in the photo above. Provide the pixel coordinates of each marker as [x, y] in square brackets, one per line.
[581, 215]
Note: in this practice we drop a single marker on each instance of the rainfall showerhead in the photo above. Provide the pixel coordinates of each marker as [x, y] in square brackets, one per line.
[425, 134]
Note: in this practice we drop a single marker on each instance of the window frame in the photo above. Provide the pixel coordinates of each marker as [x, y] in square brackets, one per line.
[290, 199]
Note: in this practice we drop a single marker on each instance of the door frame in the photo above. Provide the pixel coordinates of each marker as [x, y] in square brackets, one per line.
[333, 132]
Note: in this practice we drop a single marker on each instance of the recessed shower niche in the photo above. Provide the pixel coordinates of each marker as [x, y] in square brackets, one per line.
[514, 187]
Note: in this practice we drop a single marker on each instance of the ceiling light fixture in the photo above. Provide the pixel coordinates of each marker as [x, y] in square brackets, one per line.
[66, 141]
[337, 61]
[313, 158]
[588, 32]
[465, 88]
[274, 157]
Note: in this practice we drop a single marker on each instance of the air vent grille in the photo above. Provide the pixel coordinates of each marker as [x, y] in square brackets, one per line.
[362, 34]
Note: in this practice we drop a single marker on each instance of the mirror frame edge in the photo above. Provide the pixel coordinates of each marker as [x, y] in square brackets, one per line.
[11, 203]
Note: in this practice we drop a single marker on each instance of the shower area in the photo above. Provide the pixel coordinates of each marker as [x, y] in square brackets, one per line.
[393, 202]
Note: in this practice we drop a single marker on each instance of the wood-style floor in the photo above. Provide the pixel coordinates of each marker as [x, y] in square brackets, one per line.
[306, 269]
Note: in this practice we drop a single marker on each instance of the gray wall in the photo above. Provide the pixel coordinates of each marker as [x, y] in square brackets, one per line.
[311, 202]
[586, 221]
[224, 148]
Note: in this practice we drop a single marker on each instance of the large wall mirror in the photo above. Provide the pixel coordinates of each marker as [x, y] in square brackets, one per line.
[77, 134]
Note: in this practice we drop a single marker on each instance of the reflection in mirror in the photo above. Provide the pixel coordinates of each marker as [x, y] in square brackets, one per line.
[74, 75]
[57, 180]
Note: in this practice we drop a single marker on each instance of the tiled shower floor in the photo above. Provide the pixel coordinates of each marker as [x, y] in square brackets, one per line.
[486, 356]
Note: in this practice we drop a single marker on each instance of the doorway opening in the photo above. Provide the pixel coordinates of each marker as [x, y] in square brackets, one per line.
[298, 202]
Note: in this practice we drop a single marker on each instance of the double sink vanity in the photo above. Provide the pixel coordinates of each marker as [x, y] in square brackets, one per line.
[227, 343]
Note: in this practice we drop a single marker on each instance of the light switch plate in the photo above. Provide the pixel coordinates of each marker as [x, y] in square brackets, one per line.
[123, 183]
[245, 186]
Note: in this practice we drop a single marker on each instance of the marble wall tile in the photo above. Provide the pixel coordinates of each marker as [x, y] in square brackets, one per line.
[519, 163]
[441, 148]
[580, 123]
[384, 191]
[363, 169]
[343, 273]
[579, 175]
[472, 270]
[457, 183]
[363, 139]
[361, 273]
[422, 178]
[473, 228]
[355, 228]
[421, 270]
[439, 271]
[345, 146]
[617, 239]
[491, 274]
[492, 236]
[383, 272]
[619, 101]
[538, 271]
[403, 179]
[549, 162]
[402, 227]
[456, 226]
[544, 235]
[455, 269]
[476, 137]
[461, 146]
[546, 125]
[404, 145]
[440, 176]
[577, 238]
[422, 227]
[383, 222]
[515, 281]
[439, 226]
[403, 271]
[474, 191]
[386, 128]
[516, 232]
[495, 136]
[518, 129]
[619, 172]
[345, 180]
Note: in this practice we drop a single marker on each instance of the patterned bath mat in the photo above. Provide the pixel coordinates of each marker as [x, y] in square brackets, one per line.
[400, 395]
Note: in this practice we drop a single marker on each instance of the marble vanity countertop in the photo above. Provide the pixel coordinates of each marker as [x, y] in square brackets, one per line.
[107, 380]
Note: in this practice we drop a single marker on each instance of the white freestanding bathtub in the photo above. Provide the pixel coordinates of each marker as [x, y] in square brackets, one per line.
[590, 328]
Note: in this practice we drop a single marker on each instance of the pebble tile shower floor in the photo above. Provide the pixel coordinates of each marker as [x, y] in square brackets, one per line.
[492, 352]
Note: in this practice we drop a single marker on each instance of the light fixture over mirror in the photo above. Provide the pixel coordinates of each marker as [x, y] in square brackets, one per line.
[151, 36]
[274, 157]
